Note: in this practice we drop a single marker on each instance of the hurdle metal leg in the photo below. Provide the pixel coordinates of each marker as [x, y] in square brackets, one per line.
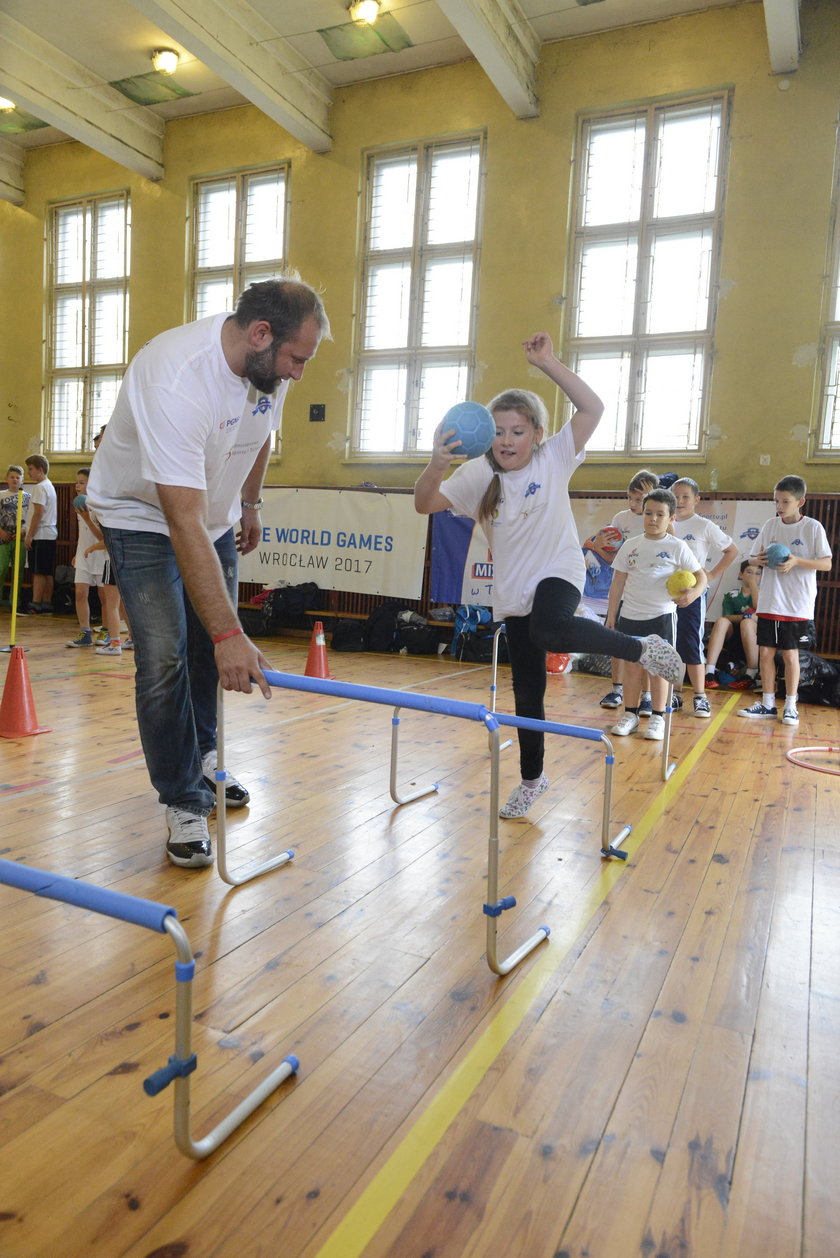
[666, 765]
[395, 747]
[502, 629]
[494, 906]
[274, 862]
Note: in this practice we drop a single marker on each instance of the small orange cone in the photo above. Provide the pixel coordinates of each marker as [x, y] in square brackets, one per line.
[17, 709]
[557, 663]
[316, 661]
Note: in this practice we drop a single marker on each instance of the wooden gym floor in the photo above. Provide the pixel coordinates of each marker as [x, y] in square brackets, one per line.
[659, 1079]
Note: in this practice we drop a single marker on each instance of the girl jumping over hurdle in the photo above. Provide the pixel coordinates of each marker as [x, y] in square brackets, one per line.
[518, 492]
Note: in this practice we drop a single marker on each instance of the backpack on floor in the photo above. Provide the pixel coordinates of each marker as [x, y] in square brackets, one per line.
[379, 632]
[348, 635]
[286, 607]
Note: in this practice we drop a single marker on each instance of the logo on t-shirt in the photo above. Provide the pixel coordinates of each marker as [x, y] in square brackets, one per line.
[662, 554]
[262, 406]
[532, 488]
[689, 537]
[797, 541]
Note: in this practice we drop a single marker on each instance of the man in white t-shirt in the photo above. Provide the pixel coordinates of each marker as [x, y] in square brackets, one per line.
[179, 468]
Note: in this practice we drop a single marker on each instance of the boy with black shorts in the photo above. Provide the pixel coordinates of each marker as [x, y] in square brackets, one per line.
[786, 596]
[41, 534]
[640, 572]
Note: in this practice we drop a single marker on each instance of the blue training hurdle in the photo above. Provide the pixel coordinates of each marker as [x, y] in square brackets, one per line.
[442, 706]
[162, 918]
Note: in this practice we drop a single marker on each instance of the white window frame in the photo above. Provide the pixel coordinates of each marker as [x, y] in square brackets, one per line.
[825, 430]
[637, 346]
[412, 359]
[238, 271]
[90, 383]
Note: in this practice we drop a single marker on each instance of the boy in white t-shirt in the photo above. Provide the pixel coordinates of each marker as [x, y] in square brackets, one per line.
[628, 521]
[41, 534]
[640, 571]
[787, 595]
[704, 538]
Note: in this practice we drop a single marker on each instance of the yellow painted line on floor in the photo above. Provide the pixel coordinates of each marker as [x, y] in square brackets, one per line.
[363, 1220]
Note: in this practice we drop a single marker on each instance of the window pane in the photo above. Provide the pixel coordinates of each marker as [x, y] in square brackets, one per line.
[66, 407]
[109, 253]
[689, 144]
[103, 395]
[382, 424]
[441, 386]
[614, 168]
[265, 209]
[386, 309]
[679, 285]
[108, 331]
[213, 297]
[830, 428]
[392, 211]
[669, 408]
[609, 375]
[453, 198]
[447, 302]
[607, 288]
[67, 332]
[216, 224]
[69, 244]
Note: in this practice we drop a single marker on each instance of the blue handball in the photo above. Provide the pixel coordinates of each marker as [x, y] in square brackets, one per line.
[777, 553]
[474, 426]
[80, 502]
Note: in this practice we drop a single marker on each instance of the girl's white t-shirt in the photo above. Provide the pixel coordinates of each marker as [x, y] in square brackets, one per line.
[533, 534]
[182, 417]
[648, 563]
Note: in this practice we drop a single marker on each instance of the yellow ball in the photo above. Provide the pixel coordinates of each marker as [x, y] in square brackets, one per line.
[679, 581]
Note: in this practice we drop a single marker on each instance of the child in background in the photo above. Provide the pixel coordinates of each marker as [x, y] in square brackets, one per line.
[9, 540]
[519, 494]
[90, 563]
[702, 536]
[640, 572]
[738, 610]
[787, 595]
[629, 523]
[41, 534]
[598, 553]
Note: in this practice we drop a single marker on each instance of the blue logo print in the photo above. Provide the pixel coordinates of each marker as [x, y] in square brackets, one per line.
[797, 541]
[689, 537]
[751, 533]
[662, 554]
[262, 406]
[532, 489]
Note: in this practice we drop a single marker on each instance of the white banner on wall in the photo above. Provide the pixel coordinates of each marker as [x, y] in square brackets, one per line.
[368, 542]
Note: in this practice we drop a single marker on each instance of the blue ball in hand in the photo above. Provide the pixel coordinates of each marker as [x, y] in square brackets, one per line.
[80, 502]
[777, 553]
[474, 426]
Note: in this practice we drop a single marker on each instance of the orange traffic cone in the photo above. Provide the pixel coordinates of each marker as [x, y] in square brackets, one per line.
[17, 710]
[557, 663]
[316, 661]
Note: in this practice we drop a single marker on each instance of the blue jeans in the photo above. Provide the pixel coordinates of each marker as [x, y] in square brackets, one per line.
[176, 683]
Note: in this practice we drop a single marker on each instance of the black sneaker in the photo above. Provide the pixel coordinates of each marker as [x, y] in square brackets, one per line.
[189, 843]
[236, 795]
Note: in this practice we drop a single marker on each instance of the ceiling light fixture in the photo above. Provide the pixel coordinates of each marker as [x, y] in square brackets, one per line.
[165, 60]
[365, 11]
[6, 106]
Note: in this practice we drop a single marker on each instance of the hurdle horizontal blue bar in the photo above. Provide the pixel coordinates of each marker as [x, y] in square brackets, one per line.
[128, 908]
[440, 704]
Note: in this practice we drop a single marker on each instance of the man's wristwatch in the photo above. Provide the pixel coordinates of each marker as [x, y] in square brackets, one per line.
[252, 506]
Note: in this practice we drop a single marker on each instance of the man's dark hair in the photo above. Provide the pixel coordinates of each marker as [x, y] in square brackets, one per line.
[284, 305]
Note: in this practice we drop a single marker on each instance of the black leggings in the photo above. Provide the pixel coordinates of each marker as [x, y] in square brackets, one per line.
[552, 626]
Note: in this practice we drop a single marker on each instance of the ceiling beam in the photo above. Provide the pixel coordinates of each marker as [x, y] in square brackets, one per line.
[504, 44]
[11, 173]
[781, 17]
[243, 48]
[45, 81]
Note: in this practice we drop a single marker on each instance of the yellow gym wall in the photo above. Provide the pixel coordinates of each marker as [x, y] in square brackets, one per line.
[776, 228]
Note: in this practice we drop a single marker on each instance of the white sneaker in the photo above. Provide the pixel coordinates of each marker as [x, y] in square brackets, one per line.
[110, 648]
[236, 795]
[189, 843]
[656, 728]
[522, 797]
[660, 658]
[627, 724]
[790, 717]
